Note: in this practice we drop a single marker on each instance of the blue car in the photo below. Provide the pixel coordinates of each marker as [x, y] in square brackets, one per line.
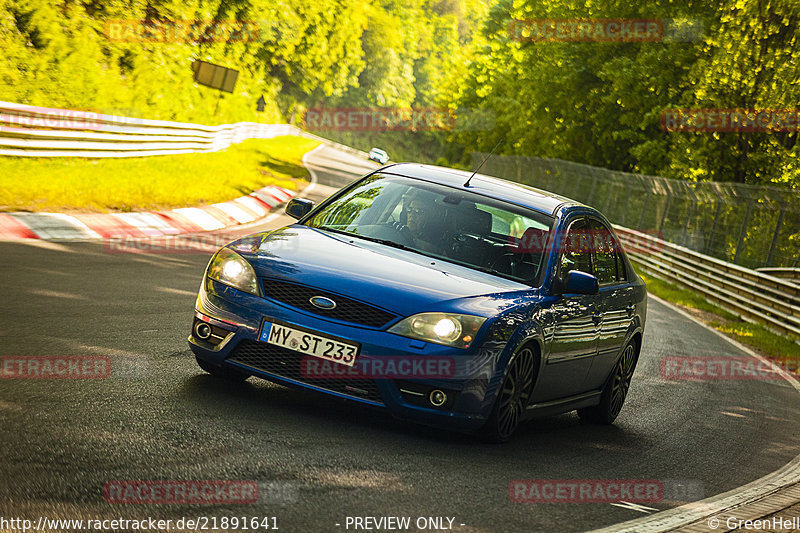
[460, 301]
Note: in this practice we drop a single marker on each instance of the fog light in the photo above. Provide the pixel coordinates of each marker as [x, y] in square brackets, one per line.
[202, 330]
[437, 398]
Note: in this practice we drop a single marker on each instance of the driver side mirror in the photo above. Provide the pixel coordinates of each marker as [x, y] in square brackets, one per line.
[581, 283]
[299, 207]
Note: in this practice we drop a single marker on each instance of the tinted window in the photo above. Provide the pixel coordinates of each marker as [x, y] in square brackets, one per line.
[575, 254]
[606, 256]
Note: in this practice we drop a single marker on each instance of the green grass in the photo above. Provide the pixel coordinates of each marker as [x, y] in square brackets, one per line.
[755, 336]
[150, 183]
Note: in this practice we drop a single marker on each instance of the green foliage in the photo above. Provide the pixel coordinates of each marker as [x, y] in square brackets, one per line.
[65, 55]
[600, 102]
[591, 102]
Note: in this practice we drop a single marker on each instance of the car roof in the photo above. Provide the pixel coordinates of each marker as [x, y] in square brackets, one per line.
[500, 189]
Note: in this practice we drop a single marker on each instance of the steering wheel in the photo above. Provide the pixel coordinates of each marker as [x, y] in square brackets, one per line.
[510, 259]
[402, 231]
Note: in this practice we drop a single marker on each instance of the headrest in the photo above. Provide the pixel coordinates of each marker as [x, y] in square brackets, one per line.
[534, 241]
[473, 220]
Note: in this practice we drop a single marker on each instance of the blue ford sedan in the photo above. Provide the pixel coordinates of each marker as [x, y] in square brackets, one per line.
[463, 302]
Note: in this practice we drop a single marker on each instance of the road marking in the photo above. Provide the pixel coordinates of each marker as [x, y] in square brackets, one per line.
[704, 509]
[311, 171]
[635, 507]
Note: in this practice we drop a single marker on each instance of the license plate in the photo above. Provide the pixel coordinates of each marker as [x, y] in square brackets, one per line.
[309, 343]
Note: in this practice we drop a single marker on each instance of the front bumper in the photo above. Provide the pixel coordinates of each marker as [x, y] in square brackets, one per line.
[236, 319]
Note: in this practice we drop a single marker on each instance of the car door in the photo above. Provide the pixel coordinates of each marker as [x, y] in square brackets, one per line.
[573, 325]
[616, 301]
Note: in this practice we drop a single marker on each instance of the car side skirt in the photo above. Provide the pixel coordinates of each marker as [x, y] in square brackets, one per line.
[564, 405]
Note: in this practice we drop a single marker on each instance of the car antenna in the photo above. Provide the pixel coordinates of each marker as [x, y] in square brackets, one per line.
[485, 159]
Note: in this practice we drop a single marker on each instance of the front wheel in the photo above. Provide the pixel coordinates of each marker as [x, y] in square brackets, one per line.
[512, 399]
[615, 391]
[221, 372]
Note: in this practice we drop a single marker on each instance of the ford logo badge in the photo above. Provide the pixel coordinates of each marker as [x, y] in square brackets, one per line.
[322, 302]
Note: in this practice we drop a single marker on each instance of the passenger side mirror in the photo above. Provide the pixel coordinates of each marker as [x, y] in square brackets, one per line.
[299, 207]
[581, 283]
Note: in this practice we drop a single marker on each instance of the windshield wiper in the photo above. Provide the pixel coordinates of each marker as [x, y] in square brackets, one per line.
[371, 239]
[333, 230]
[387, 242]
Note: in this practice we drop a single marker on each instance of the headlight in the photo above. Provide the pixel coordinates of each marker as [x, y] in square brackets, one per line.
[230, 268]
[440, 328]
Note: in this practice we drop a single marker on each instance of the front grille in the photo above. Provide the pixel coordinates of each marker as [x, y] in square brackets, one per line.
[286, 363]
[346, 310]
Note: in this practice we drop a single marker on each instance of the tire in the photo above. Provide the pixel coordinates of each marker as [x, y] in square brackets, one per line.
[616, 390]
[227, 374]
[512, 398]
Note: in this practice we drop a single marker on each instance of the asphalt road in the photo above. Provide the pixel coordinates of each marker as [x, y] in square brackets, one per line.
[159, 417]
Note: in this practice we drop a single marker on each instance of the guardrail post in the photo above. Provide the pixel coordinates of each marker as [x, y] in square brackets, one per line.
[743, 231]
[775, 237]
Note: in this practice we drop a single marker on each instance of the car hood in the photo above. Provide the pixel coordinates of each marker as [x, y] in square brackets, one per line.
[397, 280]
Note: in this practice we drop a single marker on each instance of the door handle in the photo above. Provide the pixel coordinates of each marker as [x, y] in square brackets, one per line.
[630, 309]
[597, 318]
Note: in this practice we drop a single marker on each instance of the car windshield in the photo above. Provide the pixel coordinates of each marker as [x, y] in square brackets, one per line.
[442, 222]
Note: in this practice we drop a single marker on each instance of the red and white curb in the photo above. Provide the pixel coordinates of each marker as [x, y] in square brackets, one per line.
[47, 226]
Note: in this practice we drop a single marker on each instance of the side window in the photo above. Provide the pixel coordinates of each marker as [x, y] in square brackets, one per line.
[607, 259]
[576, 252]
[622, 273]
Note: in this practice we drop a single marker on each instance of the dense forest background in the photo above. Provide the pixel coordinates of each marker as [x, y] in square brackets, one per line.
[592, 102]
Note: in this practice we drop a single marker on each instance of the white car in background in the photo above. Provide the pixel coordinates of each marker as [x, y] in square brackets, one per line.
[376, 154]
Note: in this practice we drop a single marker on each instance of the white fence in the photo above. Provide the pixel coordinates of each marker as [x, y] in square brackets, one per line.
[29, 131]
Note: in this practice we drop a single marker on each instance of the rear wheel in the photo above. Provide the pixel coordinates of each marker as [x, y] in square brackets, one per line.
[513, 397]
[615, 391]
[221, 372]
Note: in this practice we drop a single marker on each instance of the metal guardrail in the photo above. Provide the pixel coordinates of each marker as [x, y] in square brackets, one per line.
[792, 274]
[750, 294]
[28, 131]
